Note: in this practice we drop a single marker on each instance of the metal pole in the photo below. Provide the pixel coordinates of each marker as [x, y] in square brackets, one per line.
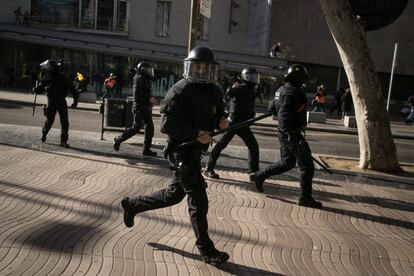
[192, 31]
[392, 74]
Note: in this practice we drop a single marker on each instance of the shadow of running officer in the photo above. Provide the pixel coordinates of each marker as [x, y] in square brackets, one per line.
[289, 106]
[56, 85]
[193, 109]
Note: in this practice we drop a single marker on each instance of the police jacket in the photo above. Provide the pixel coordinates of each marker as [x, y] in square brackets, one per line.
[56, 85]
[142, 91]
[241, 106]
[190, 107]
[289, 106]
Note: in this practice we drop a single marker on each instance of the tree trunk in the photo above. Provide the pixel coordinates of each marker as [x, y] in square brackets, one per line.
[377, 148]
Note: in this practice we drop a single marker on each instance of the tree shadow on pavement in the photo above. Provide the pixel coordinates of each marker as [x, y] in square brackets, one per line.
[228, 267]
[59, 236]
[285, 194]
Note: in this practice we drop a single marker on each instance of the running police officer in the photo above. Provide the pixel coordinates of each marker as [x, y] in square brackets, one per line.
[142, 108]
[289, 106]
[241, 97]
[56, 86]
[193, 109]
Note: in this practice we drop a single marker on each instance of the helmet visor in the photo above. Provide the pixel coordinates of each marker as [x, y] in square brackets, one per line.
[200, 71]
[253, 77]
[149, 71]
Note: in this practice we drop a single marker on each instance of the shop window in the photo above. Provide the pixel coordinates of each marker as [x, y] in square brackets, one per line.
[162, 23]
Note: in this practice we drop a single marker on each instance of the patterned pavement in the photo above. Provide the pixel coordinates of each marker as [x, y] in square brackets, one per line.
[60, 214]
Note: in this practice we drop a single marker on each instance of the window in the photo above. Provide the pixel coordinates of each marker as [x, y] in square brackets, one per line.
[162, 23]
[204, 28]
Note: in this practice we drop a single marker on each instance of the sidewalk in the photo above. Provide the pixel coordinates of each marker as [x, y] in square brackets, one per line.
[60, 214]
[334, 125]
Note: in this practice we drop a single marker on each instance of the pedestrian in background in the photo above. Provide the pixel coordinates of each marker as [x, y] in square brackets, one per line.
[289, 106]
[109, 86]
[18, 15]
[319, 99]
[346, 103]
[338, 101]
[410, 118]
[193, 108]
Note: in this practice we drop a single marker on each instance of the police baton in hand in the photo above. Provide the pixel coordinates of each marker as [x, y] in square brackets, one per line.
[231, 128]
[35, 96]
[34, 104]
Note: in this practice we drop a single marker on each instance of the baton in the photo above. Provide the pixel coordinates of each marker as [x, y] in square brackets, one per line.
[231, 128]
[34, 104]
[322, 165]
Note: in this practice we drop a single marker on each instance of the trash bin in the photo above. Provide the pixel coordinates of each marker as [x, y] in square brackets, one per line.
[115, 110]
[129, 117]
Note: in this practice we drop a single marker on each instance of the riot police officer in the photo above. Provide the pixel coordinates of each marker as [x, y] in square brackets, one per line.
[193, 109]
[142, 109]
[289, 106]
[241, 107]
[56, 85]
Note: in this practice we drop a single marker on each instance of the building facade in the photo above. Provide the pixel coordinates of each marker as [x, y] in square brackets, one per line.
[114, 35]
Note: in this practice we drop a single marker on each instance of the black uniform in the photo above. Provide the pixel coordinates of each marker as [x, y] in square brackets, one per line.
[241, 108]
[189, 107]
[290, 108]
[56, 85]
[142, 109]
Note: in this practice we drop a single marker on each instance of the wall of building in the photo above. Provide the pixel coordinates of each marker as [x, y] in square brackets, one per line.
[302, 29]
[142, 24]
[258, 27]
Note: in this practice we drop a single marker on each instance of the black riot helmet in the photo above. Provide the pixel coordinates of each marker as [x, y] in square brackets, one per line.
[145, 69]
[250, 75]
[200, 65]
[296, 74]
[49, 65]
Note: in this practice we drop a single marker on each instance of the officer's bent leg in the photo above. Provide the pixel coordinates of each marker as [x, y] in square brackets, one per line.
[250, 141]
[136, 126]
[169, 196]
[64, 120]
[306, 169]
[149, 128]
[50, 116]
[218, 148]
[287, 160]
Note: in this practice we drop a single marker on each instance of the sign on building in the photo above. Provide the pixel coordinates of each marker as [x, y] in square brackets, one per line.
[205, 8]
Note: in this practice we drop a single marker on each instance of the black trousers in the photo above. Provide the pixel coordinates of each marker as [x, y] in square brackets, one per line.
[142, 115]
[195, 189]
[288, 157]
[249, 140]
[60, 106]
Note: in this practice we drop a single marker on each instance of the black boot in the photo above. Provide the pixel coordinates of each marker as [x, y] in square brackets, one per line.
[309, 201]
[128, 213]
[215, 257]
[211, 174]
[149, 152]
[258, 181]
[43, 138]
[64, 144]
[117, 143]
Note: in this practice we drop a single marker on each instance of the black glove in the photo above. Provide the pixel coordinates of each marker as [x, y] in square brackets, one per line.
[272, 108]
[37, 90]
[74, 105]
